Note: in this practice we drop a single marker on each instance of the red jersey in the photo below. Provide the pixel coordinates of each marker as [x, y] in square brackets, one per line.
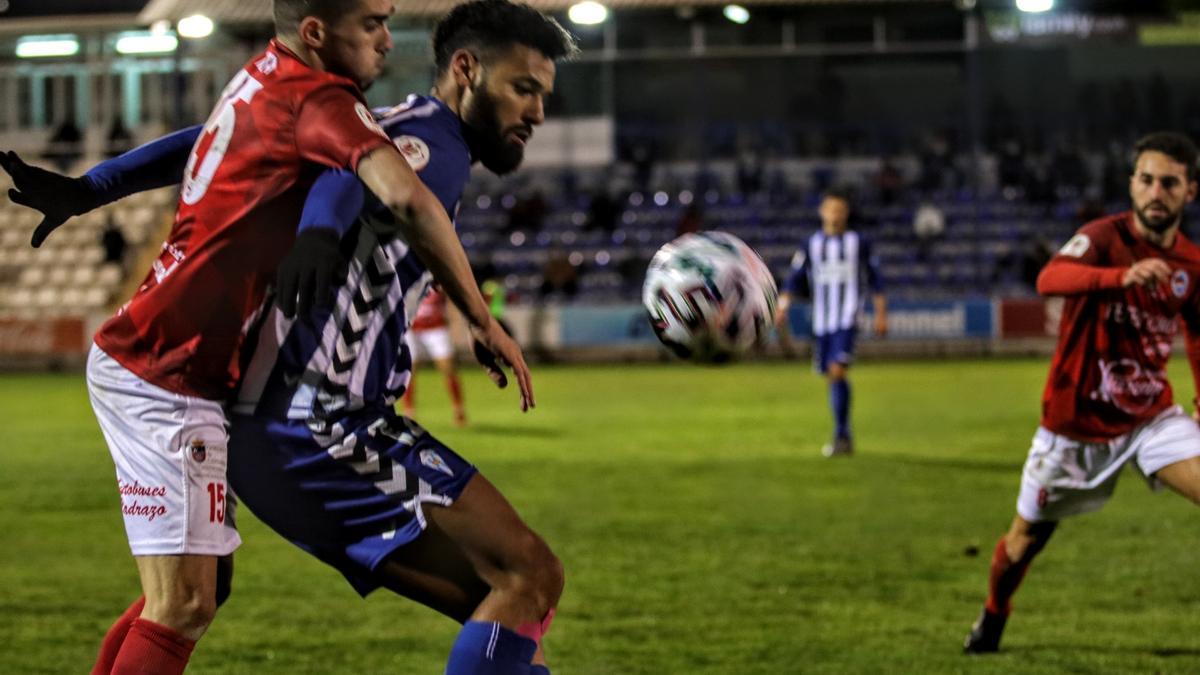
[278, 124]
[1109, 369]
[431, 313]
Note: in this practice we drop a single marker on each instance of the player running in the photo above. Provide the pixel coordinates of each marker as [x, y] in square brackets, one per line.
[832, 267]
[429, 338]
[161, 369]
[316, 449]
[1127, 280]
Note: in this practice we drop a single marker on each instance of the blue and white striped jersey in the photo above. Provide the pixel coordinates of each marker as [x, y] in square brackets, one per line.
[354, 357]
[834, 270]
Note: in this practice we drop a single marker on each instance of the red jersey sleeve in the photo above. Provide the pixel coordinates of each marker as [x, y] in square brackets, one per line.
[335, 129]
[1063, 277]
[1080, 266]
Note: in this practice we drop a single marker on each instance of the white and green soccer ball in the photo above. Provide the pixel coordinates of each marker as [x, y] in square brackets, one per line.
[709, 296]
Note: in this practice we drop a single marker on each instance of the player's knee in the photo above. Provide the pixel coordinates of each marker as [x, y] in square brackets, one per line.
[540, 573]
[1023, 543]
[188, 612]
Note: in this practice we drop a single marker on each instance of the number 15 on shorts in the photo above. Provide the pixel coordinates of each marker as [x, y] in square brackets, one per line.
[216, 502]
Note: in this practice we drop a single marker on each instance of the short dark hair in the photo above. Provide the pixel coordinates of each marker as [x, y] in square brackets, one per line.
[289, 13]
[842, 193]
[491, 26]
[1173, 144]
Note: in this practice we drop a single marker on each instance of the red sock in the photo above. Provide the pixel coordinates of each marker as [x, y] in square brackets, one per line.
[409, 398]
[1003, 579]
[116, 637]
[455, 388]
[153, 649]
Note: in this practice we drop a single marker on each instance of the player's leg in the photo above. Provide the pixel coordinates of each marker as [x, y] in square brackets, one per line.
[1010, 561]
[454, 387]
[437, 344]
[170, 455]
[409, 398]
[1062, 477]
[1168, 449]
[115, 637]
[524, 576]
[1182, 477]
[839, 403]
[836, 354]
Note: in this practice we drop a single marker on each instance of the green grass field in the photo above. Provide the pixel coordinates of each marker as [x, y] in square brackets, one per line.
[701, 530]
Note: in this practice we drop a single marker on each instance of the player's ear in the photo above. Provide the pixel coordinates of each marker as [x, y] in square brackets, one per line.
[1192, 188]
[465, 67]
[312, 31]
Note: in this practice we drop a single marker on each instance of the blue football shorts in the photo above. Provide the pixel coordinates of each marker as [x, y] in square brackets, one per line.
[352, 497]
[835, 347]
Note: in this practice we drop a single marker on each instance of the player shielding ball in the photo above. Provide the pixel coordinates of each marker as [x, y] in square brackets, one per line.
[837, 269]
[163, 368]
[1127, 280]
[316, 449]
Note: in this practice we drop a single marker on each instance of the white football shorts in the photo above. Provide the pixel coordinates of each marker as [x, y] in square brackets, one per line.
[1065, 477]
[430, 343]
[170, 452]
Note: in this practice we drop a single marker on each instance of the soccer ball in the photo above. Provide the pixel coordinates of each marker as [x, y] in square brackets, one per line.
[709, 296]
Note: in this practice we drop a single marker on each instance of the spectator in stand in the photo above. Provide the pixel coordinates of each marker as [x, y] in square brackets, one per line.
[527, 214]
[692, 220]
[643, 156]
[559, 278]
[889, 182]
[749, 172]
[120, 140]
[929, 224]
[113, 242]
[66, 145]
[602, 212]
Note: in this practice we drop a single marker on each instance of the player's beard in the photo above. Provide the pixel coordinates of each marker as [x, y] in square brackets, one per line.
[1158, 224]
[486, 137]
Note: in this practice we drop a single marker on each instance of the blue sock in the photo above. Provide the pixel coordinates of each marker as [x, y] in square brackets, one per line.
[489, 649]
[539, 670]
[839, 401]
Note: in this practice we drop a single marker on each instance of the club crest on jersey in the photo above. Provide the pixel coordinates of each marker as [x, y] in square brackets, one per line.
[368, 119]
[199, 451]
[434, 461]
[414, 150]
[1179, 283]
[1077, 246]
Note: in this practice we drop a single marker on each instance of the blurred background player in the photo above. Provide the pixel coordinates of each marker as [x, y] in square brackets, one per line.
[833, 268]
[1127, 280]
[429, 339]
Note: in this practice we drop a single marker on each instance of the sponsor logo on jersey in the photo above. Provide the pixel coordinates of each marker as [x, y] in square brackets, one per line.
[199, 451]
[434, 461]
[414, 150]
[1077, 246]
[1179, 283]
[1128, 386]
[368, 119]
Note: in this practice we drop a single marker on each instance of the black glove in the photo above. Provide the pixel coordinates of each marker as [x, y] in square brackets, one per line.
[310, 272]
[58, 197]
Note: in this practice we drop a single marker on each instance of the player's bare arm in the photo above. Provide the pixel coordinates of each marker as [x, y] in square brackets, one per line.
[427, 228]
